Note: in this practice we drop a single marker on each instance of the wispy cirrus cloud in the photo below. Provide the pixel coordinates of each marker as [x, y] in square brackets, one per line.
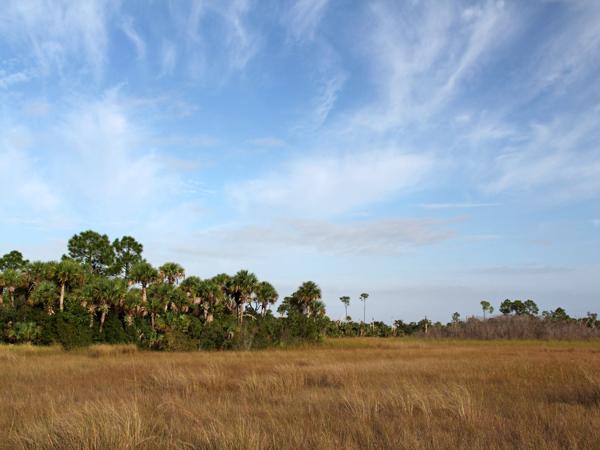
[424, 51]
[136, 40]
[54, 33]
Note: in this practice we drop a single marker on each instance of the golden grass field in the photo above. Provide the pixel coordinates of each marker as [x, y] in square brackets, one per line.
[346, 394]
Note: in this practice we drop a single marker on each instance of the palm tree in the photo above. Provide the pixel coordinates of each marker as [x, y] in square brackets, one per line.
[131, 305]
[363, 298]
[223, 281]
[242, 286]
[68, 272]
[346, 302]
[211, 294]
[266, 295]
[44, 294]
[143, 273]
[307, 294]
[11, 279]
[160, 295]
[192, 286]
[111, 293]
[486, 307]
[171, 273]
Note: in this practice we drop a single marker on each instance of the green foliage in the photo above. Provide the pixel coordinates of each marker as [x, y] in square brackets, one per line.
[12, 261]
[23, 332]
[72, 330]
[93, 250]
[127, 251]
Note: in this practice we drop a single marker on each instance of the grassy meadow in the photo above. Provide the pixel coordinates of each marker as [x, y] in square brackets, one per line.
[345, 394]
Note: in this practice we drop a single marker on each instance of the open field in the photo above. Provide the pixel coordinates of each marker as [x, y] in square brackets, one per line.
[353, 393]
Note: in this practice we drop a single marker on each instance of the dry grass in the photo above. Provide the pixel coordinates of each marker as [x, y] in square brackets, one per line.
[348, 394]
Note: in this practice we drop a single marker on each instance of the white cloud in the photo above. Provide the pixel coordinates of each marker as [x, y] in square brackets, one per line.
[131, 33]
[328, 92]
[25, 188]
[329, 185]
[9, 79]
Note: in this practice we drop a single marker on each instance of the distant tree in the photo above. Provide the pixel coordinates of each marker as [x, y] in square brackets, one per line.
[346, 302]
[128, 251]
[530, 308]
[363, 298]
[171, 273]
[13, 261]
[506, 307]
[455, 318]
[92, 250]
[558, 315]
[486, 307]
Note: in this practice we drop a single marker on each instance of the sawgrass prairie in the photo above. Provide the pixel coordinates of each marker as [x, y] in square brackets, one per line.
[344, 394]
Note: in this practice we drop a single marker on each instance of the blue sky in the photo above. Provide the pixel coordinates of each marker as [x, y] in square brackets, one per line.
[433, 154]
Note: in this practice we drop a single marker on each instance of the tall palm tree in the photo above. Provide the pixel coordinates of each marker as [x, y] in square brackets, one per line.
[68, 273]
[223, 280]
[242, 286]
[106, 294]
[171, 273]
[307, 294]
[143, 273]
[211, 294]
[160, 296]
[266, 295]
[363, 298]
[346, 302]
[131, 305]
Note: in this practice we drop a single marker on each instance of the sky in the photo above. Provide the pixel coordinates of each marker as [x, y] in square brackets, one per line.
[430, 153]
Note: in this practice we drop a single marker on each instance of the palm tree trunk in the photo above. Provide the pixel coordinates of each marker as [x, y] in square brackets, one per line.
[61, 301]
[102, 319]
[152, 315]
[144, 294]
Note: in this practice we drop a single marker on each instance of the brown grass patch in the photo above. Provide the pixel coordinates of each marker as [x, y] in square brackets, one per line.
[346, 394]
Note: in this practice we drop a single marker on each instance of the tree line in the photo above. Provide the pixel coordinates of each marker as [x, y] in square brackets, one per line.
[103, 291]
